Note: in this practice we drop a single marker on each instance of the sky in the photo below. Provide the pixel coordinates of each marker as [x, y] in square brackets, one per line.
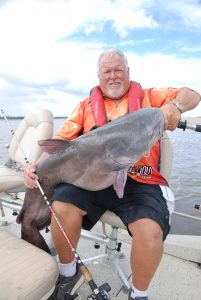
[49, 48]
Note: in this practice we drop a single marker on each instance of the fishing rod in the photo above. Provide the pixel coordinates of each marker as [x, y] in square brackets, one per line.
[184, 125]
[99, 293]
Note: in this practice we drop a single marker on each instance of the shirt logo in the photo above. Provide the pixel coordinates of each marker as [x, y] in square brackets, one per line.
[141, 171]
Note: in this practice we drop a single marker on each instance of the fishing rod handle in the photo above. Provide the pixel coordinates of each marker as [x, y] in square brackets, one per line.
[198, 128]
[197, 206]
[184, 125]
[103, 293]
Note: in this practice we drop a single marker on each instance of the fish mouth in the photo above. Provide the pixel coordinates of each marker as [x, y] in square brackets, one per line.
[123, 164]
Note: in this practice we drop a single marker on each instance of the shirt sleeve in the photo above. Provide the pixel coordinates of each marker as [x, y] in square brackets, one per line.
[72, 126]
[159, 97]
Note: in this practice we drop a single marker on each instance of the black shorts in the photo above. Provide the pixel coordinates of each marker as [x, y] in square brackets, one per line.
[140, 201]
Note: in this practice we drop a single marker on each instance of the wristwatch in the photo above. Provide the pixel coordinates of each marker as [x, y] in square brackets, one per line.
[179, 106]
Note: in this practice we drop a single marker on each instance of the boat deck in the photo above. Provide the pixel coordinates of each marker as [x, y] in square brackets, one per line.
[177, 278]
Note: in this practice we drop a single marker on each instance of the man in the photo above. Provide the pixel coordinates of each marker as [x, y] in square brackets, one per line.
[145, 208]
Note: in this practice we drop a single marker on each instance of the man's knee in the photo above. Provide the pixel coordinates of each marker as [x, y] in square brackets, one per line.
[62, 208]
[147, 230]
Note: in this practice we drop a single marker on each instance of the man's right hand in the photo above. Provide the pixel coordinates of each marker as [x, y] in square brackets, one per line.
[30, 177]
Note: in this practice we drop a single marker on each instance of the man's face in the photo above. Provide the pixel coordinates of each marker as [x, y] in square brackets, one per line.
[113, 76]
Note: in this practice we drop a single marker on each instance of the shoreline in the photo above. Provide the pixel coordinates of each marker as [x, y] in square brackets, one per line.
[192, 120]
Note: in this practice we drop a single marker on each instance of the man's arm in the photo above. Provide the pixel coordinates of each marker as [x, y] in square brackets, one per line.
[188, 99]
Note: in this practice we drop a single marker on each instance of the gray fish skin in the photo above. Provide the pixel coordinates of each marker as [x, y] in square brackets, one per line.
[93, 161]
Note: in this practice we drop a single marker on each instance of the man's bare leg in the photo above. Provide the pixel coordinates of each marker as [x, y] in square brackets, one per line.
[70, 217]
[146, 253]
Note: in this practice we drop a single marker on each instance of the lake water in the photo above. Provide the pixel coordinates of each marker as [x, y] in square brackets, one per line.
[185, 180]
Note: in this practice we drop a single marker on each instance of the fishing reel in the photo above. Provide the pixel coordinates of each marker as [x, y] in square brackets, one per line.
[103, 293]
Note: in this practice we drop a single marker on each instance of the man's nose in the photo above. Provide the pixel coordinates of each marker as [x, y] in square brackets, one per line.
[113, 74]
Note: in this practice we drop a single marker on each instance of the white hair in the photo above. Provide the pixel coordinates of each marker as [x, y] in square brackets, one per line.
[110, 51]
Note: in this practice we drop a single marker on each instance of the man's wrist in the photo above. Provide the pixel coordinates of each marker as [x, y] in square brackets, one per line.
[178, 105]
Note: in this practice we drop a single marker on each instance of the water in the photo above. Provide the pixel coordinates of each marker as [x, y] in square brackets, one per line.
[185, 180]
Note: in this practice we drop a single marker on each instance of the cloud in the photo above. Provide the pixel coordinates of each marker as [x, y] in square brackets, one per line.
[189, 11]
[49, 49]
[156, 70]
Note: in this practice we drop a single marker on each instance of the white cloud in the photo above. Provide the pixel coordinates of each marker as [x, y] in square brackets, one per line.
[127, 15]
[187, 13]
[162, 70]
[156, 70]
[41, 65]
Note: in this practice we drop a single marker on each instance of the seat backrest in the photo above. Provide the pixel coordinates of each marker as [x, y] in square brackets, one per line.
[166, 151]
[37, 125]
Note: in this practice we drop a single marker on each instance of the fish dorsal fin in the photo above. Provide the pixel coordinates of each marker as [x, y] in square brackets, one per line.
[120, 182]
[54, 145]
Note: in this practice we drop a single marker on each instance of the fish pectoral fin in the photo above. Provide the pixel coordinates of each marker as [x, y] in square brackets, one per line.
[120, 181]
[54, 145]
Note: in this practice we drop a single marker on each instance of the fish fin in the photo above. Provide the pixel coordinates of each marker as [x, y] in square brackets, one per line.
[120, 182]
[54, 145]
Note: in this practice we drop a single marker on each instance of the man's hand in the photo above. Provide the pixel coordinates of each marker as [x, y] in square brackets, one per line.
[172, 116]
[188, 98]
[30, 177]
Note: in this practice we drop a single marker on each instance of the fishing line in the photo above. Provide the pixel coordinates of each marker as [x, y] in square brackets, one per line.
[100, 293]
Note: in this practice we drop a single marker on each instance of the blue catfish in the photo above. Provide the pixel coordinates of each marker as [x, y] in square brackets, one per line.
[93, 161]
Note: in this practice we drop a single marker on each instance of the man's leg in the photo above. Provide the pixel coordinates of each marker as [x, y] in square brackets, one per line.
[70, 278]
[70, 217]
[146, 252]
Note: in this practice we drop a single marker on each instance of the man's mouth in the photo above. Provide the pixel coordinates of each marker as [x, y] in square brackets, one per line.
[114, 84]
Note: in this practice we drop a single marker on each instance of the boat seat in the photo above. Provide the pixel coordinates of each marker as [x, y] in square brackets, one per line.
[113, 255]
[27, 272]
[37, 125]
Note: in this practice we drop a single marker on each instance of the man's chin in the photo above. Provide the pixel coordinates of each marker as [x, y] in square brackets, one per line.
[115, 94]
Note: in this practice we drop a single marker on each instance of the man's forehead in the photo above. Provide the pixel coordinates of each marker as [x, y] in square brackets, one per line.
[110, 60]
